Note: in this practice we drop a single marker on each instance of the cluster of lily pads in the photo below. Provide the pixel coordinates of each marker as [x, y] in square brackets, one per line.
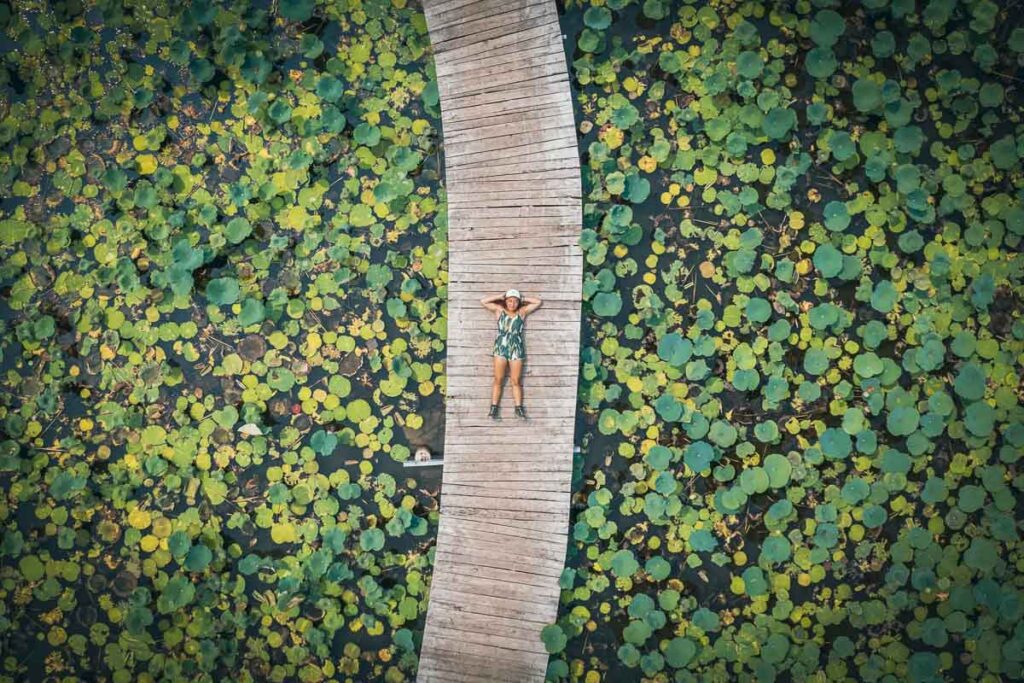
[804, 343]
[223, 251]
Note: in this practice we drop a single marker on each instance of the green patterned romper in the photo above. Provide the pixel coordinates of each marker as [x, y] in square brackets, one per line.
[509, 342]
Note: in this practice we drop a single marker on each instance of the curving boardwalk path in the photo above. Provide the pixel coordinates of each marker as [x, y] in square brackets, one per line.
[514, 213]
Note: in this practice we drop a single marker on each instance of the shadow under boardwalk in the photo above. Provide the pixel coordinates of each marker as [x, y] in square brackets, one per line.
[514, 213]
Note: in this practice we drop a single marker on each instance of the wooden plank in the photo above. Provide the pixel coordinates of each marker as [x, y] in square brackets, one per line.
[470, 632]
[517, 227]
[498, 528]
[449, 14]
[498, 447]
[508, 40]
[433, 8]
[549, 525]
[504, 187]
[532, 515]
[514, 34]
[533, 137]
[525, 279]
[494, 502]
[430, 672]
[484, 74]
[469, 30]
[524, 478]
[477, 40]
[491, 588]
[537, 170]
[507, 491]
[445, 68]
[506, 148]
[516, 246]
[537, 582]
[454, 450]
[464, 218]
[532, 193]
[538, 257]
[491, 114]
[504, 655]
[537, 79]
[463, 668]
[450, 62]
[527, 154]
[485, 556]
[497, 625]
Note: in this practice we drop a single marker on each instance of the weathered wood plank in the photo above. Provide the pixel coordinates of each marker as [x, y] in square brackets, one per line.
[447, 14]
[538, 170]
[484, 75]
[503, 149]
[515, 96]
[489, 476]
[535, 515]
[570, 256]
[497, 113]
[496, 120]
[449, 62]
[500, 189]
[529, 44]
[521, 229]
[548, 526]
[494, 41]
[536, 137]
[497, 625]
[469, 630]
[498, 574]
[525, 280]
[477, 39]
[467, 29]
[512, 657]
[488, 588]
[499, 448]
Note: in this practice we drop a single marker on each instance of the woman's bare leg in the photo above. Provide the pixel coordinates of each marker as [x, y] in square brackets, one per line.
[500, 364]
[516, 373]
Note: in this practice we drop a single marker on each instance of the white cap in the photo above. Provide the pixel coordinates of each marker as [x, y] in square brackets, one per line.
[513, 292]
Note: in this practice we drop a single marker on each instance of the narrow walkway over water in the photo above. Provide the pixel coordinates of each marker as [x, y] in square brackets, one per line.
[513, 180]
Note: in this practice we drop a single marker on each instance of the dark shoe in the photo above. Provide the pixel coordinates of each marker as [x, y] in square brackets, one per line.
[521, 412]
[494, 412]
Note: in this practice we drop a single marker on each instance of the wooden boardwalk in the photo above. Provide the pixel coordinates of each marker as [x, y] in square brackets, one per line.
[514, 214]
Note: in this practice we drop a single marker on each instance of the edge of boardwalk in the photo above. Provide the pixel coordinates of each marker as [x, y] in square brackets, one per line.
[515, 214]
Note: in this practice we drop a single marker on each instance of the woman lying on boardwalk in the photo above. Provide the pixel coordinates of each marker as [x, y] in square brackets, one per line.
[509, 346]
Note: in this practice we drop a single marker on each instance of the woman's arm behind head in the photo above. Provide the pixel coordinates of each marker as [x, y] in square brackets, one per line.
[530, 304]
[491, 303]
